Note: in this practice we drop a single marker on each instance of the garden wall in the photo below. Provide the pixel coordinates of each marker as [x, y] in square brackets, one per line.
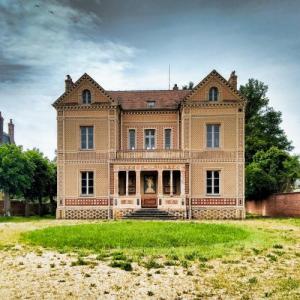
[277, 205]
[18, 208]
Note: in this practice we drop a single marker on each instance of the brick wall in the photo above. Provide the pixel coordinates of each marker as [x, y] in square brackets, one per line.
[278, 205]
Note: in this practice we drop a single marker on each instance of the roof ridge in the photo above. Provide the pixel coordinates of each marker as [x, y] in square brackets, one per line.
[147, 90]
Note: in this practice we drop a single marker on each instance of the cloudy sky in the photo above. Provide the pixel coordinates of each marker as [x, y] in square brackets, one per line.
[129, 45]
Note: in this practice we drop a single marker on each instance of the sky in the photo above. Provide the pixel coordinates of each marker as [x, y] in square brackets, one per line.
[127, 45]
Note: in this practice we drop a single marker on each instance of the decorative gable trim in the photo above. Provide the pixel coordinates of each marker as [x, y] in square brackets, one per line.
[85, 76]
[213, 73]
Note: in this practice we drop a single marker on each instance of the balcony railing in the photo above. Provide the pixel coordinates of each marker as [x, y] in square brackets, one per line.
[151, 154]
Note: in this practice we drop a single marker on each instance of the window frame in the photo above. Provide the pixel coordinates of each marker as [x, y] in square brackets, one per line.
[171, 138]
[87, 137]
[151, 104]
[128, 136]
[213, 136]
[215, 97]
[89, 100]
[213, 193]
[155, 142]
[88, 172]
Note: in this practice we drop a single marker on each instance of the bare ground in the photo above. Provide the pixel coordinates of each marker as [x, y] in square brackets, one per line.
[31, 273]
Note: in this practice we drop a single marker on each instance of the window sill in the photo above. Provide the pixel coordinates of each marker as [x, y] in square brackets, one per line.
[88, 150]
[87, 196]
[213, 195]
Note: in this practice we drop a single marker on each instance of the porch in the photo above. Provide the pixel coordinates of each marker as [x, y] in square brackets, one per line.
[136, 188]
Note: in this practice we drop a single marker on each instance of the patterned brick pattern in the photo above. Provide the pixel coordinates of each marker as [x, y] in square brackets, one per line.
[217, 213]
[213, 201]
[86, 202]
[120, 213]
[179, 214]
[187, 178]
[86, 214]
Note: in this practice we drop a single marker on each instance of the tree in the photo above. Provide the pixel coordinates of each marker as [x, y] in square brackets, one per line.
[51, 188]
[271, 171]
[40, 178]
[262, 123]
[15, 173]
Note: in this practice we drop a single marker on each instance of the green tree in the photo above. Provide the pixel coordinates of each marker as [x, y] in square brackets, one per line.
[190, 86]
[51, 188]
[40, 179]
[15, 173]
[271, 171]
[262, 123]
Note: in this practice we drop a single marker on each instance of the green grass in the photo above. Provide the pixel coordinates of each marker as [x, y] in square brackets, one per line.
[190, 240]
[24, 219]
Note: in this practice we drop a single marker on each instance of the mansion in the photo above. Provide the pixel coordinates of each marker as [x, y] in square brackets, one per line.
[176, 152]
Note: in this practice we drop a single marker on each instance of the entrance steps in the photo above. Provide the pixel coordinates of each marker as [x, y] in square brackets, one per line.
[150, 214]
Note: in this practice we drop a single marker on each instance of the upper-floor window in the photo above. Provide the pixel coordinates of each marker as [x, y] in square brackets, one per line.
[213, 182]
[87, 137]
[149, 139]
[150, 104]
[213, 94]
[131, 139]
[87, 183]
[213, 135]
[168, 134]
[86, 97]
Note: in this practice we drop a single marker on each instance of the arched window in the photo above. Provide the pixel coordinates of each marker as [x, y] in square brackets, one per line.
[86, 97]
[213, 94]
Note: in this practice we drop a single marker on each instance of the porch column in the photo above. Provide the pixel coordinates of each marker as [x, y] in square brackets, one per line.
[138, 183]
[182, 182]
[160, 182]
[171, 182]
[116, 183]
[127, 180]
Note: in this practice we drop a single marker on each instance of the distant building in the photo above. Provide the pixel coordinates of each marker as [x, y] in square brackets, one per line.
[7, 138]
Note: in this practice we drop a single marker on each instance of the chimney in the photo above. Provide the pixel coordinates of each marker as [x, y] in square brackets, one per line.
[1, 128]
[68, 83]
[11, 131]
[175, 87]
[233, 80]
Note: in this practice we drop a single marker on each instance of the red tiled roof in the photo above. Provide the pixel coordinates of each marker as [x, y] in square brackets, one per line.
[135, 100]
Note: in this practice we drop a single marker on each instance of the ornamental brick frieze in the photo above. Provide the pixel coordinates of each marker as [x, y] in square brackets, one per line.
[213, 201]
[149, 167]
[86, 202]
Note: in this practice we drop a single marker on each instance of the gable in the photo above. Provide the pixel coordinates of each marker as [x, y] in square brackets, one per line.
[74, 95]
[226, 92]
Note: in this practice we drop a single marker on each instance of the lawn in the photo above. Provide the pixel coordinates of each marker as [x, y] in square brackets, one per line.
[23, 219]
[180, 238]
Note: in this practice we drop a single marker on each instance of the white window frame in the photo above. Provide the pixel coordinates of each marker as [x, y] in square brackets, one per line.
[213, 183]
[84, 100]
[151, 104]
[87, 137]
[87, 194]
[153, 148]
[213, 146]
[215, 94]
[133, 129]
[171, 138]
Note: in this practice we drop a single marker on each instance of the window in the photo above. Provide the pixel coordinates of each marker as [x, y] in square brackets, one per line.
[87, 183]
[86, 97]
[213, 182]
[213, 94]
[150, 139]
[213, 136]
[150, 104]
[131, 139]
[87, 137]
[168, 138]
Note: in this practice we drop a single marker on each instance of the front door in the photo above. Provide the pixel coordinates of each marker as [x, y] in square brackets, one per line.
[149, 198]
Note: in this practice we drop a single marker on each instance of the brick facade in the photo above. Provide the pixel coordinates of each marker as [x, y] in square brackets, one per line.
[121, 174]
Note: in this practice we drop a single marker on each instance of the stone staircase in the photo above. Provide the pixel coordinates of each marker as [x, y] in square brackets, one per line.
[150, 214]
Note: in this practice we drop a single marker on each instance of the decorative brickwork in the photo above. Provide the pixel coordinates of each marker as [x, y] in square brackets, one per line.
[86, 202]
[120, 213]
[179, 214]
[217, 213]
[86, 214]
[213, 201]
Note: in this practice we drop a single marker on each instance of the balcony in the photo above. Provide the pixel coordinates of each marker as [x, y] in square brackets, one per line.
[151, 154]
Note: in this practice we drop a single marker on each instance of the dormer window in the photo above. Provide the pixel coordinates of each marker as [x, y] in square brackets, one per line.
[213, 94]
[150, 104]
[86, 97]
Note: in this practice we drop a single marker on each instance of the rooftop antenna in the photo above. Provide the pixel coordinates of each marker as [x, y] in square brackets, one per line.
[169, 75]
